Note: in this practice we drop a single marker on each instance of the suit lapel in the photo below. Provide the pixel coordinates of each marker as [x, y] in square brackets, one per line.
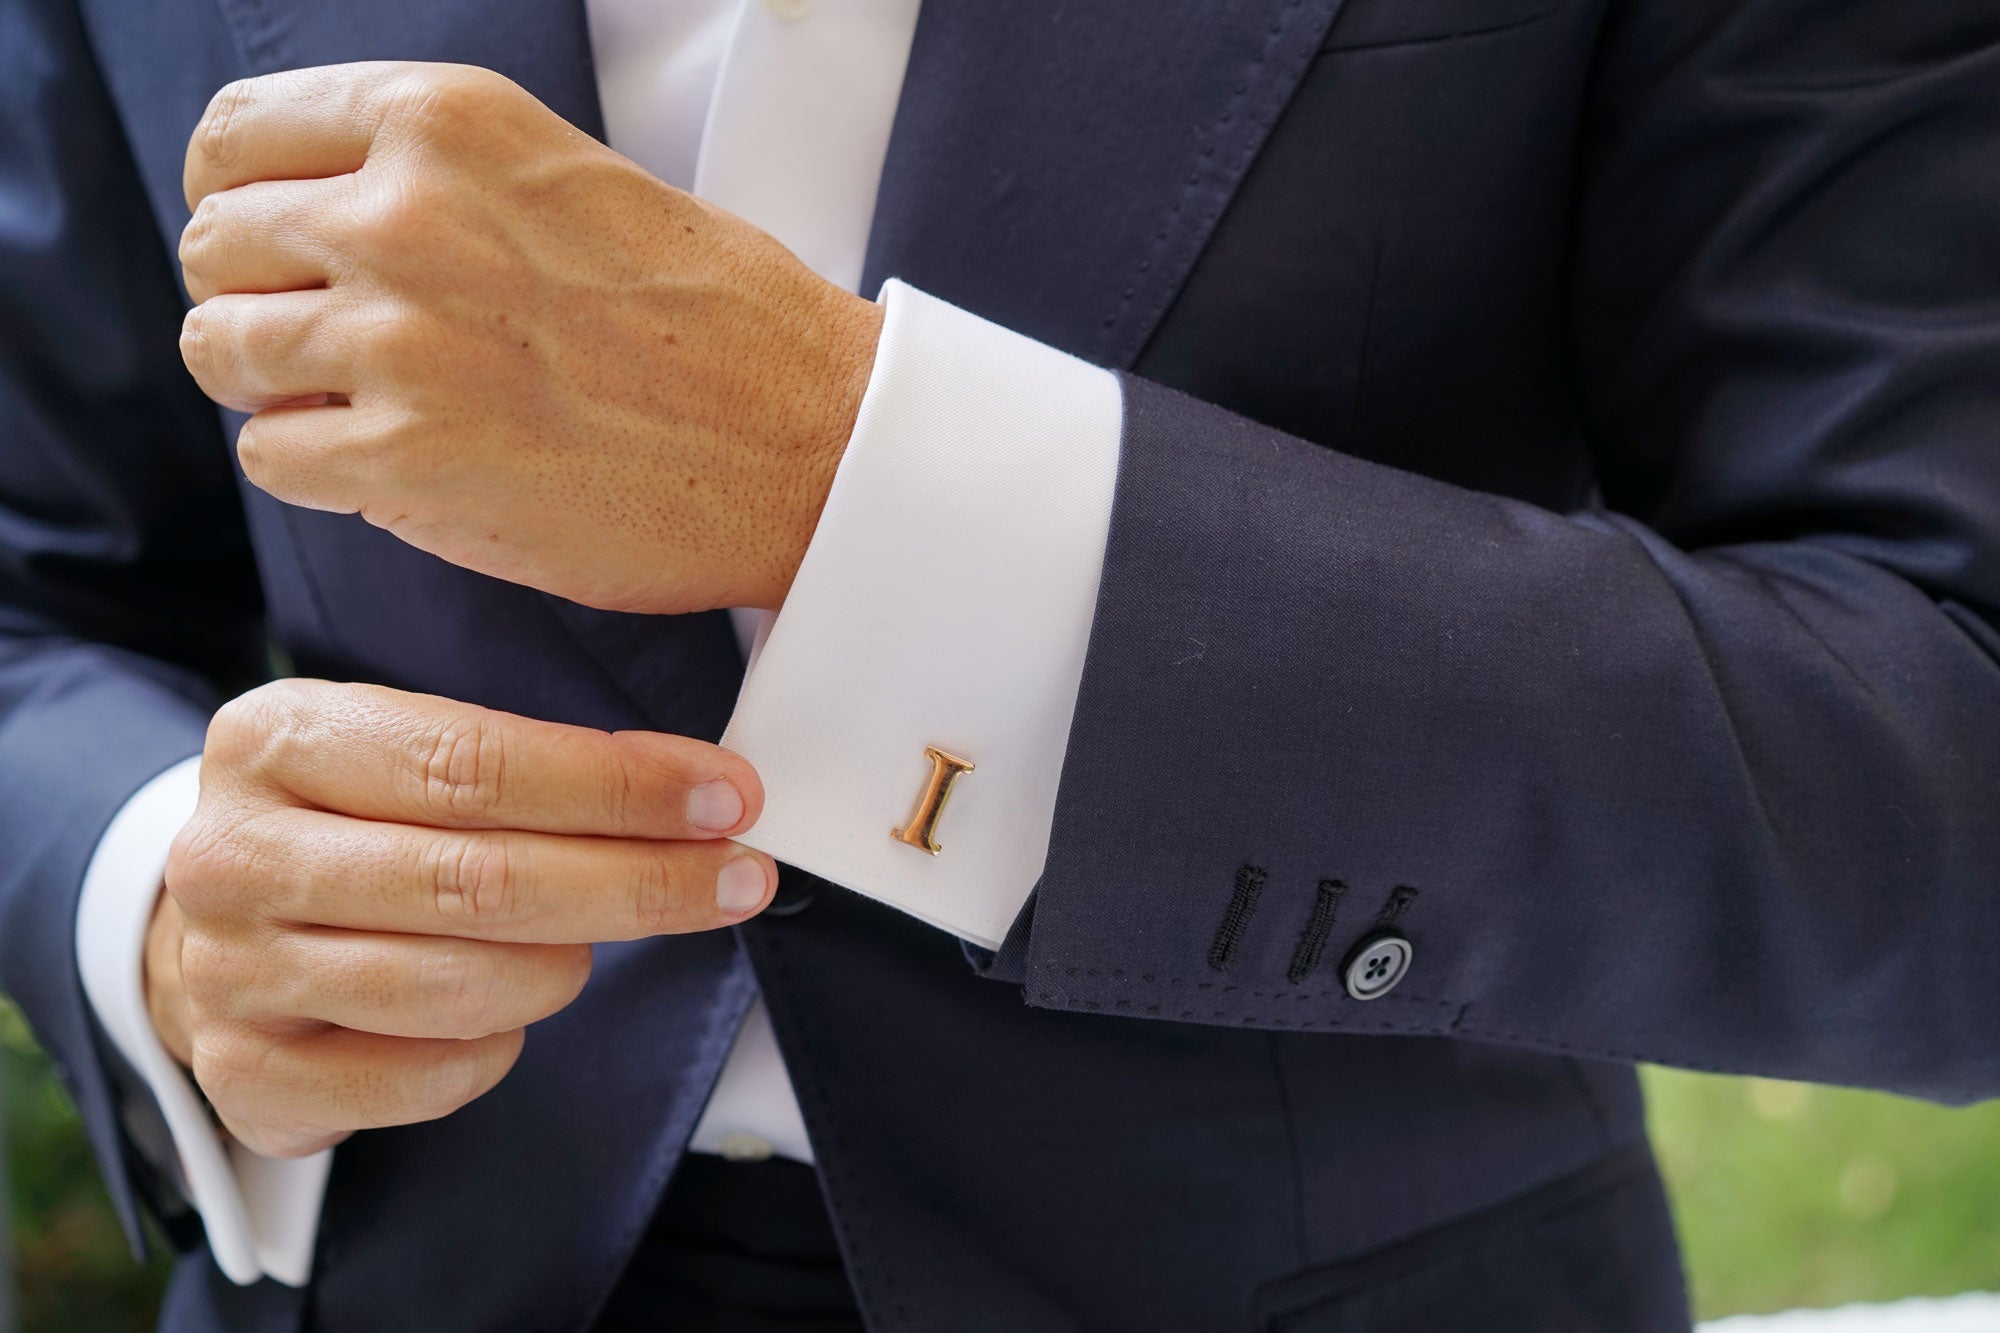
[1058, 167]
[543, 45]
[1055, 167]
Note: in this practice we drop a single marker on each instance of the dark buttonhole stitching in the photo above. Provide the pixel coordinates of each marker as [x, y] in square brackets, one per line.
[1236, 919]
[1312, 941]
[1399, 902]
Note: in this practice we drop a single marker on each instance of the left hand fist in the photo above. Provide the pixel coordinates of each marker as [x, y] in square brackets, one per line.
[455, 314]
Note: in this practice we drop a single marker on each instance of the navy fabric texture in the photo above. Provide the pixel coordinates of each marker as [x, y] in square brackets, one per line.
[1702, 771]
[1558, 498]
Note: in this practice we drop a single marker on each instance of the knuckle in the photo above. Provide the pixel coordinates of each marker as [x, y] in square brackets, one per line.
[213, 143]
[260, 463]
[232, 1064]
[282, 981]
[622, 797]
[198, 237]
[465, 770]
[228, 868]
[237, 729]
[447, 1077]
[207, 970]
[256, 733]
[199, 861]
[456, 987]
[393, 217]
[442, 101]
[389, 338]
[658, 902]
[264, 339]
[201, 350]
[470, 882]
[635, 775]
[246, 1076]
[385, 457]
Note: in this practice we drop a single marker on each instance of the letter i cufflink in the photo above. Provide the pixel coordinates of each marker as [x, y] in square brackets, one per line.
[921, 831]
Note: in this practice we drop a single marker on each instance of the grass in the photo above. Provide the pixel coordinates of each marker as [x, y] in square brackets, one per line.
[1791, 1195]
[74, 1269]
[1786, 1195]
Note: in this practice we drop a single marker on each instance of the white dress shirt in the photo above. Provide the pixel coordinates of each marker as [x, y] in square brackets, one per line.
[946, 598]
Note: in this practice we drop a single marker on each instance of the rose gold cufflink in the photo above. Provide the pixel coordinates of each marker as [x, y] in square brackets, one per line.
[921, 831]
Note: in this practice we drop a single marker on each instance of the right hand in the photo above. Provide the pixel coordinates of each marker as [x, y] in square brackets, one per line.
[379, 891]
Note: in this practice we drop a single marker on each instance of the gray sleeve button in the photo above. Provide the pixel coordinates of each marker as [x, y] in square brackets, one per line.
[1375, 965]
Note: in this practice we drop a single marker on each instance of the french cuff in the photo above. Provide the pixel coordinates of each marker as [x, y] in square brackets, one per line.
[260, 1214]
[945, 602]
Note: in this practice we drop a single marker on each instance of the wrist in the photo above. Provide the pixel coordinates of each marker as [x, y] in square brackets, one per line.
[853, 328]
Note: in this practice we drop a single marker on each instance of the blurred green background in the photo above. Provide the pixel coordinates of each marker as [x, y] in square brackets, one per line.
[1786, 1195]
[74, 1272]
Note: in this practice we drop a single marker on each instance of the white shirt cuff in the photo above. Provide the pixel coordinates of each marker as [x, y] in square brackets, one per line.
[946, 600]
[260, 1214]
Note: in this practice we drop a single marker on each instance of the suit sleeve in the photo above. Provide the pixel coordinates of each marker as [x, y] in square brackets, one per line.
[1709, 775]
[126, 587]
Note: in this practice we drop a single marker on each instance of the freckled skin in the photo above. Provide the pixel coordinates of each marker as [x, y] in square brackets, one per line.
[378, 891]
[454, 314]
[543, 363]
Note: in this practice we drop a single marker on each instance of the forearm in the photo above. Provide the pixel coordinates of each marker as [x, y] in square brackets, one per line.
[1321, 692]
[1693, 807]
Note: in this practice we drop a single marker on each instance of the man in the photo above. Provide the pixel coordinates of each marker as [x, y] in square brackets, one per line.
[1557, 629]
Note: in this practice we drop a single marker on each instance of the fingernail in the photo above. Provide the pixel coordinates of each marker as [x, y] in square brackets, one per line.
[716, 806]
[741, 885]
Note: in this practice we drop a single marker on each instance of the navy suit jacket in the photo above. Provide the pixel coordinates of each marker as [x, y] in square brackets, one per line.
[1561, 477]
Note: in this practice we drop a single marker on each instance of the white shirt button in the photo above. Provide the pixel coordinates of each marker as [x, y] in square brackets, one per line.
[746, 1148]
[791, 11]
